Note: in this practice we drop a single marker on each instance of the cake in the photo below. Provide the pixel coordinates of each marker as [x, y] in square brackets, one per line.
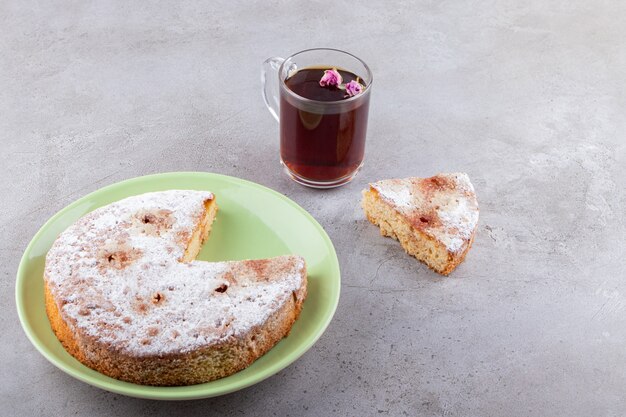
[434, 219]
[126, 297]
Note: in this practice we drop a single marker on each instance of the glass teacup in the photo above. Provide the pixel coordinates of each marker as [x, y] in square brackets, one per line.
[322, 127]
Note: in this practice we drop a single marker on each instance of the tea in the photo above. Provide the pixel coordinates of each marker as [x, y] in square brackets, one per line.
[322, 146]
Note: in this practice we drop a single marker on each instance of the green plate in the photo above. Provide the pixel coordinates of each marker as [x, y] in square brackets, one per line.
[253, 222]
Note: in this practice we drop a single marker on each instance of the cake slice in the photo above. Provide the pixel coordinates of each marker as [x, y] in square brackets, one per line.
[434, 219]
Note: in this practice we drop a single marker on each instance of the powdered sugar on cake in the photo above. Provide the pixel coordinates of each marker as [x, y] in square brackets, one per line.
[117, 277]
[443, 206]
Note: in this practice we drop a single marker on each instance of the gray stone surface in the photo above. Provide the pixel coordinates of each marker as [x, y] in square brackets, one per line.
[527, 97]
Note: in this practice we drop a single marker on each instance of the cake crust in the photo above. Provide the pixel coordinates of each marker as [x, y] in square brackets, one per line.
[125, 297]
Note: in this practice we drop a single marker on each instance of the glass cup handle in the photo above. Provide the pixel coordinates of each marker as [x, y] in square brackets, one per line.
[269, 80]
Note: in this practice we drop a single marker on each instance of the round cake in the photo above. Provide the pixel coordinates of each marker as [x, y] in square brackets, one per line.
[126, 297]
